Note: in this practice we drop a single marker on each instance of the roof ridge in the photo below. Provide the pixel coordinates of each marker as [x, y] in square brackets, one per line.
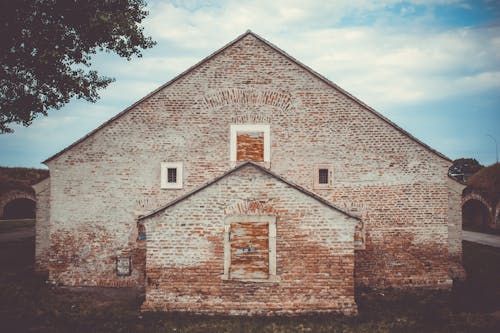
[283, 53]
[258, 167]
[152, 93]
[349, 95]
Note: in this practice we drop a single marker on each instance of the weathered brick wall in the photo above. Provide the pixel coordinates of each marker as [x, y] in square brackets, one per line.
[314, 250]
[455, 190]
[42, 225]
[400, 185]
[455, 218]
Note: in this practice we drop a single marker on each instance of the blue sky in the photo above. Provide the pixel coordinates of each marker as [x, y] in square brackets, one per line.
[432, 67]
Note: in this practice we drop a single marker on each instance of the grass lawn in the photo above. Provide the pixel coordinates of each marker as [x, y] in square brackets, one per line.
[28, 304]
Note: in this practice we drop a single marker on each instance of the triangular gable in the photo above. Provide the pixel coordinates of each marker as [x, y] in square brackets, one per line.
[258, 167]
[278, 50]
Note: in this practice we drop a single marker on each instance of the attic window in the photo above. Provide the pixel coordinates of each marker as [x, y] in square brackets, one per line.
[322, 176]
[250, 143]
[250, 248]
[171, 175]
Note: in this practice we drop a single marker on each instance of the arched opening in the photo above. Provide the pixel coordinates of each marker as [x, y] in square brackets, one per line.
[475, 215]
[19, 209]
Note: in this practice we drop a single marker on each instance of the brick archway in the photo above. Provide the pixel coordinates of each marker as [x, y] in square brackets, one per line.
[10, 196]
[477, 211]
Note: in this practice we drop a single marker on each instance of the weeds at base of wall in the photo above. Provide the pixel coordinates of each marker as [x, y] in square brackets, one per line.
[27, 303]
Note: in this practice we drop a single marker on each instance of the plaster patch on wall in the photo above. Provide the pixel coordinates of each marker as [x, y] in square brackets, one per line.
[196, 248]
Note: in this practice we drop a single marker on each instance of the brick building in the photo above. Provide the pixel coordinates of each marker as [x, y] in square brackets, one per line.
[249, 184]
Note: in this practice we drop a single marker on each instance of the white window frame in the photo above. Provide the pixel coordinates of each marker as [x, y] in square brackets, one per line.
[271, 221]
[316, 184]
[164, 175]
[250, 128]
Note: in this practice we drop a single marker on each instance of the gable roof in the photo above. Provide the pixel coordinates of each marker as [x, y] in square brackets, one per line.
[260, 168]
[278, 50]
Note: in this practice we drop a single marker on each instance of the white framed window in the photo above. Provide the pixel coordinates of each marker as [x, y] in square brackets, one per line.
[250, 142]
[322, 174]
[171, 175]
[250, 248]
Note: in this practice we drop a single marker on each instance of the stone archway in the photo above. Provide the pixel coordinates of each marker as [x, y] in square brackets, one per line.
[475, 214]
[17, 204]
[477, 211]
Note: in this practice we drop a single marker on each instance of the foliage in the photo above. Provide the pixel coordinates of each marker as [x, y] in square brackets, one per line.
[47, 47]
[20, 178]
[463, 168]
[486, 181]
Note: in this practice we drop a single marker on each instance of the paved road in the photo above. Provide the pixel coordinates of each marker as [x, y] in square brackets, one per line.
[17, 234]
[478, 237]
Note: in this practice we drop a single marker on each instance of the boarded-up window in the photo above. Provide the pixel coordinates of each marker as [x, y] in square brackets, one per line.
[249, 250]
[250, 146]
[250, 142]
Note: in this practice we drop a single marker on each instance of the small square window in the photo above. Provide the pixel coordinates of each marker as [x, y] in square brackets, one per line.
[323, 176]
[171, 175]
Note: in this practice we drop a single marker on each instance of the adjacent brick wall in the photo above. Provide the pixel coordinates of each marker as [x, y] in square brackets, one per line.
[400, 186]
[314, 249]
[455, 190]
[42, 225]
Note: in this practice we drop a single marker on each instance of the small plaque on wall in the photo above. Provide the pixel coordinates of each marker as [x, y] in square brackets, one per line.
[123, 266]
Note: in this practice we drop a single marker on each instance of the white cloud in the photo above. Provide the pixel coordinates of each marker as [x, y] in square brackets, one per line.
[388, 56]
[381, 63]
[155, 68]
[126, 90]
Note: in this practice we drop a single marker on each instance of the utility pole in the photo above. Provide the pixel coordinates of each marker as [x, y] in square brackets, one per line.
[496, 144]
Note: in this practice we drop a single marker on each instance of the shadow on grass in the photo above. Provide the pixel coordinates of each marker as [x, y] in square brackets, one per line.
[28, 304]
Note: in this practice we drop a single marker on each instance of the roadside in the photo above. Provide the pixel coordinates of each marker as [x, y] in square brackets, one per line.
[481, 238]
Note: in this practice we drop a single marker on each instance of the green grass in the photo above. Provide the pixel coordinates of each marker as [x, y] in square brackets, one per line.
[11, 225]
[27, 303]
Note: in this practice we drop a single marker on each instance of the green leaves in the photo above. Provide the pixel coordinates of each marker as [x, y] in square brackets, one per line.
[46, 48]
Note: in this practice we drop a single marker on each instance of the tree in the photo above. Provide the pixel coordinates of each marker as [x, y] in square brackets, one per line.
[463, 168]
[46, 48]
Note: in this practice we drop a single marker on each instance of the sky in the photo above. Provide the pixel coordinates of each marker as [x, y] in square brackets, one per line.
[430, 66]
